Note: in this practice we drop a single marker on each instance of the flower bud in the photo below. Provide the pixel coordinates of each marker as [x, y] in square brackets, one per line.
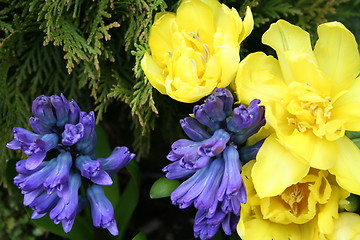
[193, 129]
[43, 109]
[61, 109]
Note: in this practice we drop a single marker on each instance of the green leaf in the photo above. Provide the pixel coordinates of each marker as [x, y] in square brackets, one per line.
[102, 149]
[10, 173]
[128, 200]
[353, 134]
[140, 236]
[81, 230]
[356, 141]
[163, 187]
[113, 192]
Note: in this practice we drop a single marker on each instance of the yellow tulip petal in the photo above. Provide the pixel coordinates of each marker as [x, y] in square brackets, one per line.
[276, 168]
[284, 37]
[229, 61]
[259, 76]
[310, 230]
[304, 69]
[329, 212]
[248, 25]
[346, 108]
[160, 39]
[228, 26]
[213, 70]
[186, 92]
[321, 189]
[153, 72]
[250, 191]
[185, 67]
[213, 4]
[319, 152]
[346, 227]
[263, 133]
[346, 168]
[266, 230]
[196, 17]
[277, 116]
[337, 54]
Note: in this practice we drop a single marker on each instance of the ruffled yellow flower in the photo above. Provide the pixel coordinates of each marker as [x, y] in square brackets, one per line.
[347, 227]
[305, 210]
[196, 49]
[311, 97]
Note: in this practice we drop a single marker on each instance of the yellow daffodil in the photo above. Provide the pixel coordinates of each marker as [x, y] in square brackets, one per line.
[196, 49]
[311, 97]
[347, 227]
[305, 210]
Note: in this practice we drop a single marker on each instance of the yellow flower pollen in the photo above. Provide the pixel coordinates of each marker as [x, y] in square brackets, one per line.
[293, 197]
[308, 109]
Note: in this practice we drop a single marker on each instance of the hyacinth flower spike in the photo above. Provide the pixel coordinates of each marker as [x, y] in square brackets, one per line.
[212, 163]
[52, 186]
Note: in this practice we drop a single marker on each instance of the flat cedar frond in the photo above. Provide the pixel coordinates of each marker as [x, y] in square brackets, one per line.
[74, 44]
[277, 9]
[14, 111]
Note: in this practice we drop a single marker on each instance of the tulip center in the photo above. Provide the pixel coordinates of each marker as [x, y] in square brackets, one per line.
[201, 51]
[309, 110]
[295, 197]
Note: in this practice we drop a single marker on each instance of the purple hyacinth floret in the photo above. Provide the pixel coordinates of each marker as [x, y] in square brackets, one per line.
[102, 211]
[195, 155]
[212, 160]
[72, 134]
[51, 186]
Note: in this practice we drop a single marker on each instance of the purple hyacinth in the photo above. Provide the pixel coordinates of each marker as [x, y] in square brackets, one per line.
[212, 161]
[51, 186]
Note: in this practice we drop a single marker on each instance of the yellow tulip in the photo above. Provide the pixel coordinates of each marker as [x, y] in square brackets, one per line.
[305, 210]
[347, 227]
[196, 49]
[311, 97]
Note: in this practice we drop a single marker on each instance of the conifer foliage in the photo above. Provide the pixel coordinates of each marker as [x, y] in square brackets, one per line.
[91, 51]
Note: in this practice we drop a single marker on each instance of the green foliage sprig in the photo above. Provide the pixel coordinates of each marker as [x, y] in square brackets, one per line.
[94, 48]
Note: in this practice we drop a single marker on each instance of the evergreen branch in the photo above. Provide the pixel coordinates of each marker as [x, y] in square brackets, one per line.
[279, 8]
[74, 44]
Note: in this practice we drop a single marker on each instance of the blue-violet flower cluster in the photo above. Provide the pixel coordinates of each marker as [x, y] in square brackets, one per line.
[61, 152]
[212, 161]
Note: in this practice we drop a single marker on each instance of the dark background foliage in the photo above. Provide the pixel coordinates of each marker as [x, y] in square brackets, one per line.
[91, 51]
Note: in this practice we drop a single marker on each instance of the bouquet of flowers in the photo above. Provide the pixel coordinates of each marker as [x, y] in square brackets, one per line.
[266, 149]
